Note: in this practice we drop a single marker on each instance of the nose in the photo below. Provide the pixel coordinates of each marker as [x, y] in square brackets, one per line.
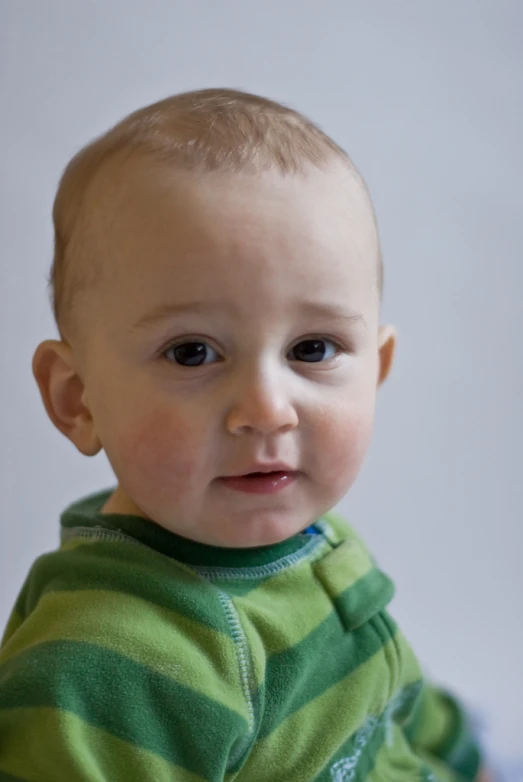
[261, 404]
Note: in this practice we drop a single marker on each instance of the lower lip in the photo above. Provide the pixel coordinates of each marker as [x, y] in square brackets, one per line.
[270, 483]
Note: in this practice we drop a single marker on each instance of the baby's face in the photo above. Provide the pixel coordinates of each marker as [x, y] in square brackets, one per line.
[247, 371]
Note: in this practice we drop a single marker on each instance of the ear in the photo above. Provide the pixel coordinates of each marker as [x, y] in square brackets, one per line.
[386, 350]
[62, 392]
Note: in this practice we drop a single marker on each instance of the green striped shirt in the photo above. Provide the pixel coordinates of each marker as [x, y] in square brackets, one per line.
[135, 654]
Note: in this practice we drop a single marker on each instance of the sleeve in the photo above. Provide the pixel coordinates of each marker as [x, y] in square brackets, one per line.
[104, 686]
[440, 729]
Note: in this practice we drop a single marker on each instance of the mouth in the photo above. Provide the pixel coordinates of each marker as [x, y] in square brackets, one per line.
[267, 477]
[260, 482]
[255, 474]
[260, 468]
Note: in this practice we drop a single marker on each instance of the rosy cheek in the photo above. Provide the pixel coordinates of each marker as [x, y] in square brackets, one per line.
[161, 452]
[346, 442]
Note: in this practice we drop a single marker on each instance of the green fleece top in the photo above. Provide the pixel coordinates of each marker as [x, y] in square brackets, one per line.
[134, 654]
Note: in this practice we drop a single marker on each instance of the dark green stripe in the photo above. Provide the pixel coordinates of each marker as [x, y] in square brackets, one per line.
[326, 656]
[132, 570]
[460, 750]
[10, 778]
[364, 598]
[127, 700]
[457, 748]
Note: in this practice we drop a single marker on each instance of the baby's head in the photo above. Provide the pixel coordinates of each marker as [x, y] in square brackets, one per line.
[216, 285]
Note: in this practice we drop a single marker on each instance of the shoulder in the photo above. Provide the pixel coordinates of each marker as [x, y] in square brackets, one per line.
[95, 574]
[107, 614]
[133, 643]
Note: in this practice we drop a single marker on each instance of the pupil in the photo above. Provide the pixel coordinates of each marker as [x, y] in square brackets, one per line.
[190, 352]
[310, 350]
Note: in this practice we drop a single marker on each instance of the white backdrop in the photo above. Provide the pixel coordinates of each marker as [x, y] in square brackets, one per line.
[426, 96]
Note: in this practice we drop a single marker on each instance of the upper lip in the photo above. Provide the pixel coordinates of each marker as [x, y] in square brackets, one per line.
[263, 467]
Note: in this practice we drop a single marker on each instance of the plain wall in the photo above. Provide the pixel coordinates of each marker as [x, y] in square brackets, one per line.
[426, 97]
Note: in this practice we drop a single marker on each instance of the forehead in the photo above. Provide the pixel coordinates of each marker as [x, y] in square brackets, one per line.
[169, 235]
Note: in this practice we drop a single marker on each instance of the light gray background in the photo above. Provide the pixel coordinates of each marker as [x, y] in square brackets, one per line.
[426, 97]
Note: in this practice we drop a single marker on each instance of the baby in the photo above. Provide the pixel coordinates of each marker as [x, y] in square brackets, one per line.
[216, 284]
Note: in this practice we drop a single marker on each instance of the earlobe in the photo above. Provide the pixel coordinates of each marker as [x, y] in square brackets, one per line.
[386, 349]
[62, 389]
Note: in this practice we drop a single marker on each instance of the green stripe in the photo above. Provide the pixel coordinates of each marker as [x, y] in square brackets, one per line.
[439, 726]
[158, 639]
[304, 607]
[17, 614]
[344, 565]
[297, 675]
[380, 744]
[459, 750]
[51, 745]
[126, 699]
[435, 770]
[431, 721]
[357, 588]
[367, 690]
[14, 622]
[132, 570]
[356, 754]
[370, 594]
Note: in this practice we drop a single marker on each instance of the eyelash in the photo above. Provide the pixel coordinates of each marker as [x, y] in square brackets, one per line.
[192, 339]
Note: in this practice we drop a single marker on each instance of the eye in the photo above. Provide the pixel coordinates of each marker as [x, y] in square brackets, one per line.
[312, 349]
[192, 354]
[188, 354]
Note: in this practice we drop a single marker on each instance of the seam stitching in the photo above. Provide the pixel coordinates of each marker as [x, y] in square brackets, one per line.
[243, 574]
[242, 648]
[100, 533]
[209, 572]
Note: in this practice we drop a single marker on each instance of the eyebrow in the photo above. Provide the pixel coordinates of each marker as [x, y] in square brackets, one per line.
[308, 308]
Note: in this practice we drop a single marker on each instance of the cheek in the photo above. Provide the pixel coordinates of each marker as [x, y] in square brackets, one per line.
[346, 434]
[160, 456]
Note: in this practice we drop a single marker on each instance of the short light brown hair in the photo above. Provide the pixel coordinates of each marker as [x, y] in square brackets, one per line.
[204, 130]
